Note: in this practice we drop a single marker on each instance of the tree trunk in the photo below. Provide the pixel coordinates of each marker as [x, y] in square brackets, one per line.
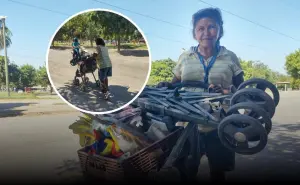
[119, 43]
[51, 89]
[91, 41]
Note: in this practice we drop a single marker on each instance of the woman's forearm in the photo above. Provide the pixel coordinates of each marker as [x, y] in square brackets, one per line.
[237, 80]
[175, 80]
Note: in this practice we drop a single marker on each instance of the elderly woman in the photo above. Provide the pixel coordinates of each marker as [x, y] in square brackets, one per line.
[220, 68]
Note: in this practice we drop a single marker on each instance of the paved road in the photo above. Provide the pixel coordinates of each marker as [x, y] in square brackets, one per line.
[42, 143]
[38, 148]
[130, 71]
[280, 160]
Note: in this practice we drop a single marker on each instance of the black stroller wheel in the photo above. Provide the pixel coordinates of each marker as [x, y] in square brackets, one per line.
[86, 79]
[83, 88]
[76, 82]
[98, 83]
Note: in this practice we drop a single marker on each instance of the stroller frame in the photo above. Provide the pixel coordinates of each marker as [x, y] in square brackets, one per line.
[85, 64]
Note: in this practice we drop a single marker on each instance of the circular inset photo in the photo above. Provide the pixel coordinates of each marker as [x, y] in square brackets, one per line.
[98, 61]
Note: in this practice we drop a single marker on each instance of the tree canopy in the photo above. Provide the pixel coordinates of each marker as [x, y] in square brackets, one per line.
[292, 67]
[8, 35]
[23, 76]
[162, 71]
[90, 25]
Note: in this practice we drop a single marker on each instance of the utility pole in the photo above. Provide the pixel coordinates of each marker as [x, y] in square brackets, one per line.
[5, 55]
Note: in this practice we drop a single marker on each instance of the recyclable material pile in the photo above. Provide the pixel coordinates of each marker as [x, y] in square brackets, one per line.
[154, 114]
[120, 134]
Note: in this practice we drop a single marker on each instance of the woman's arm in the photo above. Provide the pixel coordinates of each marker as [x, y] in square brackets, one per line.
[237, 80]
[168, 84]
[175, 80]
[238, 73]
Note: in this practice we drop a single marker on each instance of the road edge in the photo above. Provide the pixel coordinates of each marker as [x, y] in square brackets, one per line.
[6, 114]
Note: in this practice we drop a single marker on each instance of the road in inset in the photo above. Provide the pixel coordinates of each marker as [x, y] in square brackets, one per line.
[130, 70]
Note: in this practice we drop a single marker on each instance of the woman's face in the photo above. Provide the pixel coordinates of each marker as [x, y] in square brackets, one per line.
[206, 32]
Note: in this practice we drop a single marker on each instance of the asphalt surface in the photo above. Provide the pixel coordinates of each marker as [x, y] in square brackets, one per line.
[38, 149]
[42, 148]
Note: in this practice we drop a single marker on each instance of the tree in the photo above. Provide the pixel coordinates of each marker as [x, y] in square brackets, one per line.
[113, 26]
[28, 75]
[90, 25]
[75, 27]
[136, 36]
[2, 71]
[14, 75]
[42, 78]
[92, 32]
[8, 35]
[292, 65]
[257, 69]
[295, 83]
[80, 26]
[161, 70]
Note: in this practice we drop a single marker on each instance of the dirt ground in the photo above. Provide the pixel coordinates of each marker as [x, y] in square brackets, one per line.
[129, 73]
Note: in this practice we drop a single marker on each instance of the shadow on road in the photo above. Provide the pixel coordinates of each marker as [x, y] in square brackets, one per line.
[8, 106]
[93, 100]
[280, 160]
[7, 109]
[136, 53]
[67, 166]
[69, 170]
[61, 47]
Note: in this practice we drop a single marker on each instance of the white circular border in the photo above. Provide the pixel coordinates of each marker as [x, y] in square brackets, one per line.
[149, 70]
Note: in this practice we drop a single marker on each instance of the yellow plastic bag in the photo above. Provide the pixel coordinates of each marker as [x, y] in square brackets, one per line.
[83, 129]
[125, 141]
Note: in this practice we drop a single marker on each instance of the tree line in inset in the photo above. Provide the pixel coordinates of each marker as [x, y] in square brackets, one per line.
[88, 26]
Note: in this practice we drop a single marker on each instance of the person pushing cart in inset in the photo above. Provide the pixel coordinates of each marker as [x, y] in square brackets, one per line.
[104, 66]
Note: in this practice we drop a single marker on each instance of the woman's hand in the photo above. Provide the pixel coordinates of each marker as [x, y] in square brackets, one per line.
[218, 89]
[163, 84]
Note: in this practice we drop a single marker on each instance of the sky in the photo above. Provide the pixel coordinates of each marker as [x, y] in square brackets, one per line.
[266, 30]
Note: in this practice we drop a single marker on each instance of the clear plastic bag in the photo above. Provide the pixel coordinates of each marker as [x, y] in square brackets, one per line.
[157, 131]
[126, 141]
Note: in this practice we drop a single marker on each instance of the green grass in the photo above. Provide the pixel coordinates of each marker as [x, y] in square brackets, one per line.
[42, 93]
[14, 95]
[110, 46]
[33, 95]
[129, 46]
